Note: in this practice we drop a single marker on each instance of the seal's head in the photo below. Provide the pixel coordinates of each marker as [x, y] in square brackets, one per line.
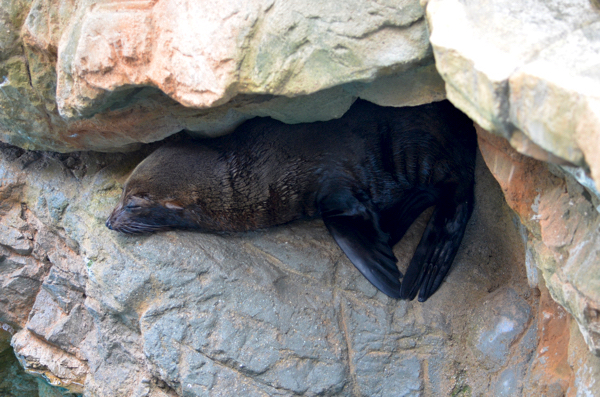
[141, 214]
[154, 196]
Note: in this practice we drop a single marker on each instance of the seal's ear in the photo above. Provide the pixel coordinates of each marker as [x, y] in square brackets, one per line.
[173, 205]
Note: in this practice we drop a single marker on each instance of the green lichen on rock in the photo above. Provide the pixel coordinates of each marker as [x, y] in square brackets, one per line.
[21, 108]
[19, 99]
[461, 388]
[12, 16]
[15, 76]
[43, 77]
[461, 391]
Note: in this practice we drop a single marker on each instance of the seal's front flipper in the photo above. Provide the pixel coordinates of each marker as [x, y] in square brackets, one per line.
[356, 230]
[436, 250]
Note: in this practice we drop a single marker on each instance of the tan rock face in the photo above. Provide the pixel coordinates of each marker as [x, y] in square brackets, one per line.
[530, 66]
[53, 364]
[202, 54]
[81, 75]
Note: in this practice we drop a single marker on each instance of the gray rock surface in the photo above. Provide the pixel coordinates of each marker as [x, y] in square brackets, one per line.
[278, 312]
[497, 324]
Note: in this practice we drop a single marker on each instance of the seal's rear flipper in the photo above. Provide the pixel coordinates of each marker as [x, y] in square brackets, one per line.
[357, 232]
[436, 250]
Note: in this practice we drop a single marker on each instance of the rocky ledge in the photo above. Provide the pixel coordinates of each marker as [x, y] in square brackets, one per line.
[282, 312]
[278, 312]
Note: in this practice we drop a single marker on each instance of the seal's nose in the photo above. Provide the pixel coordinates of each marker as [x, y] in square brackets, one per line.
[108, 225]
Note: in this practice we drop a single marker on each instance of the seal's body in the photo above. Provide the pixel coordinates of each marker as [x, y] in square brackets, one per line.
[369, 175]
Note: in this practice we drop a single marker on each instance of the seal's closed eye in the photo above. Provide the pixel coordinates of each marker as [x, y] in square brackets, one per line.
[135, 202]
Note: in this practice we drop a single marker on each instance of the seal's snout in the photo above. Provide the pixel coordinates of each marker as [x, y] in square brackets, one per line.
[113, 222]
[123, 221]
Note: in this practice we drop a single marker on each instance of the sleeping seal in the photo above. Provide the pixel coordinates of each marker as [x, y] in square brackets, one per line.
[369, 175]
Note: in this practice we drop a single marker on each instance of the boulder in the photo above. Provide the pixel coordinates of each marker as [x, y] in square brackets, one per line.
[86, 75]
[526, 70]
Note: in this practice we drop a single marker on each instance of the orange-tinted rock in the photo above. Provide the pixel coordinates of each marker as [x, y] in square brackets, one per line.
[563, 226]
[550, 373]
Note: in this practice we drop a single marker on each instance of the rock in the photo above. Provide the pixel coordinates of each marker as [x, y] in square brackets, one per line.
[549, 372]
[66, 331]
[56, 366]
[497, 324]
[586, 367]
[525, 70]
[511, 380]
[20, 278]
[87, 76]
[272, 312]
[563, 222]
[202, 55]
[15, 240]
[507, 384]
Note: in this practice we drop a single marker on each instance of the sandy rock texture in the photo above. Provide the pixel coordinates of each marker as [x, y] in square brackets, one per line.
[106, 75]
[527, 70]
[278, 312]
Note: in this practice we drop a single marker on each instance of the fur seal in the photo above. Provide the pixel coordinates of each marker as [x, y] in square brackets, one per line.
[369, 175]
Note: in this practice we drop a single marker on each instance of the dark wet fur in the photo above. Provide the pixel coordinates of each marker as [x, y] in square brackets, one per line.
[369, 175]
